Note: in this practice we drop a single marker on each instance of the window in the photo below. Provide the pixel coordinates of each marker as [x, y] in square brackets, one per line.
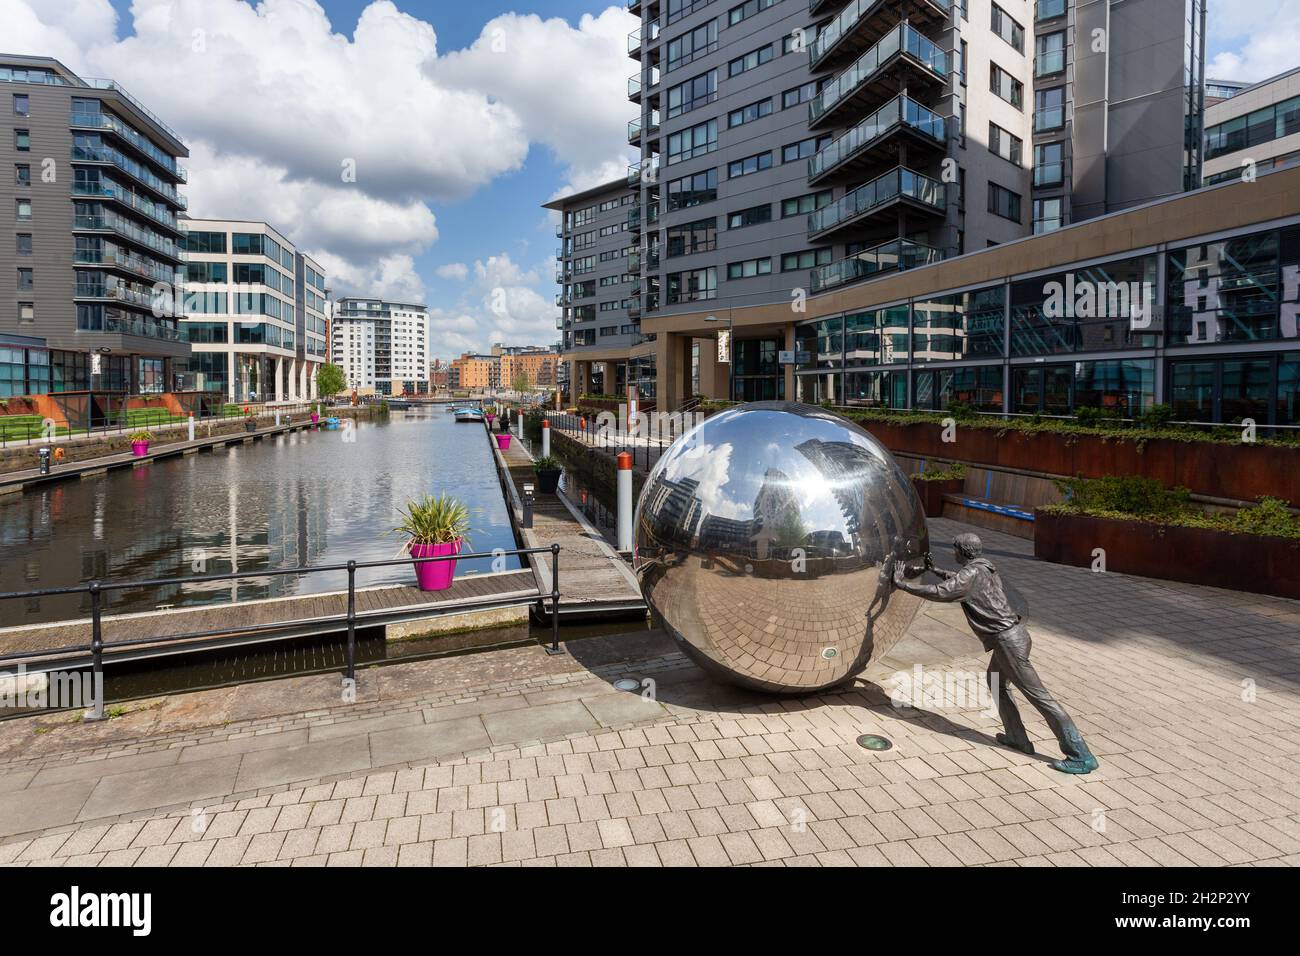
[692, 142]
[1047, 9]
[22, 175]
[1003, 202]
[1047, 214]
[964, 325]
[1262, 126]
[1049, 109]
[22, 140]
[1049, 50]
[1008, 29]
[803, 149]
[750, 61]
[747, 114]
[749, 268]
[693, 190]
[692, 45]
[26, 312]
[24, 210]
[748, 165]
[692, 94]
[961, 63]
[205, 242]
[808, 259]
[750, 217]
[747, 10]
[799, 94]
[26, 280]
[802, 205]
[1006, 86]
[796, 42]
[1002, 143]
[693, 286]
[24, 243]
[1049, 164]
[22, 105]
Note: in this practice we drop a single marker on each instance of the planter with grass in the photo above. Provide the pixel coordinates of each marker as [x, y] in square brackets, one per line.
[933, 483]
[435, 527]
[1139, 527]
[140, 443]
[250, 424]
[548, 474]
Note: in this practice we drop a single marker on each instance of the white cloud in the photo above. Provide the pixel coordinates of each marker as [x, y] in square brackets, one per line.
[505, 302]
[273, 102]
[453, 270]
[1254, 39]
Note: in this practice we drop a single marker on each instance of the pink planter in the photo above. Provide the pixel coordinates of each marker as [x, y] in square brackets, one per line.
[490, 419]
[315, 418]
[435, 575]
[503, 441]
[139, 448]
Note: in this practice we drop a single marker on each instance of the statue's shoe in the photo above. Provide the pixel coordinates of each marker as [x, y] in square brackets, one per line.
[1086, 765]
[1024, 748]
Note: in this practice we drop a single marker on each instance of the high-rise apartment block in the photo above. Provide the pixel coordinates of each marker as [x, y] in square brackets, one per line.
[381, 346]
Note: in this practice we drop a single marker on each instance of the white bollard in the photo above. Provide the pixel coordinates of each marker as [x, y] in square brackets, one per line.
[519, 426]
[191, 428]
[624, 501]
[546, 438]
[277, 419]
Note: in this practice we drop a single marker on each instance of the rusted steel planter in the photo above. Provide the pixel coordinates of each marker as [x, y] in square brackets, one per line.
[1243, 562]
[931, 493]
[1241, 472]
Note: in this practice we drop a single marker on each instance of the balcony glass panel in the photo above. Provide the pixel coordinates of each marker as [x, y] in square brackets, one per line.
[895, 183]
[899, 110]
[904, 38]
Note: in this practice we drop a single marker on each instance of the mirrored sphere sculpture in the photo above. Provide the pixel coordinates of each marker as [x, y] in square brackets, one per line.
[765, 544]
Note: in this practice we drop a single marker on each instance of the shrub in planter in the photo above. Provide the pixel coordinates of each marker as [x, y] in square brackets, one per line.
[548, 474]
[250, 424]
[434, 527]
[933, 483]
[140, 443]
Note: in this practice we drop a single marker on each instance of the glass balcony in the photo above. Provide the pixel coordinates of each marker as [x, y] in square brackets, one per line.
[634, 87]
[634, 218]
[900, 112]
[900, 183]
[1050, 62]
[903, 39]
[112, 123]
[559, 231]
[110, 85]
[107, 221]
[109, 189]
[1048, 9]
[861, 15]
[118, 291]
[1049, 174]
[1053, 117]
[641, 36]
[106, 154]
[138, 265]
[897, 254]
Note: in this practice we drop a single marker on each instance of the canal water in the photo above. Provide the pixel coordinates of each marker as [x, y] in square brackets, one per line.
[307, 498]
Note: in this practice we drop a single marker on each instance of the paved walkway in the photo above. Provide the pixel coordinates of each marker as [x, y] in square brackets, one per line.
[1190, 697]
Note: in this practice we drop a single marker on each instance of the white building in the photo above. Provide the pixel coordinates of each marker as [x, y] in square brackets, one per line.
[381, 345]
[255, 311]
[1256, 130]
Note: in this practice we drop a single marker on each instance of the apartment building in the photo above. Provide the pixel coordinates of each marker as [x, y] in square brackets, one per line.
[475, 371]
[381, 345]
[92, 183]
[254, 311]
[597, 266]
[789, 149]
[1256, 130]
[527, 365]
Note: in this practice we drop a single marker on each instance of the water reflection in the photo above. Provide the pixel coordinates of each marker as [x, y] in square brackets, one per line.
[308, 498]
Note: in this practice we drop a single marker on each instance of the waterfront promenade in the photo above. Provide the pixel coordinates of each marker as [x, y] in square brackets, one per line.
[1189, 696]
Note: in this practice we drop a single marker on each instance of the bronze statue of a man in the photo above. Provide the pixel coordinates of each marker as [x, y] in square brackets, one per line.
[989, 613]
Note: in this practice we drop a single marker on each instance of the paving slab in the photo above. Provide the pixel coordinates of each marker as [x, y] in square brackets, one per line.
[539, 723]
[153, 788]
[94, 769]
[266, 768]
[36, 808]
[427, 741]
[623, 707]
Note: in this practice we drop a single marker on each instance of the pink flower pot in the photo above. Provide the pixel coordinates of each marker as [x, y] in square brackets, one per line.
[435, 575]
[490, 419]
[315, 418]
[503, 442]
[139, 448]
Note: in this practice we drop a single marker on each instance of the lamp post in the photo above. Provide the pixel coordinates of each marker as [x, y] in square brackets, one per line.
[731, 352]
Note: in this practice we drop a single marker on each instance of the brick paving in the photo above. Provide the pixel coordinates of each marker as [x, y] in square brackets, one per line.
[1189, 696]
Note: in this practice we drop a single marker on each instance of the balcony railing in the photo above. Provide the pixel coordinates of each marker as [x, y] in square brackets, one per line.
[897, 254]
[106, 154]
[1052, 117]
[848, 20]
[642, 35]
[109, 122]
[112, 190]
[903, 38]
[895, 184]
[1049, 174]
[129, 230]
[900, 111]
[117, 291]
[1052, 61]
[1047, 9]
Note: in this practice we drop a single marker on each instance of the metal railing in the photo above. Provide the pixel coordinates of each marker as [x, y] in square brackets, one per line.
[899, 182]
[903, 38]
[901, 111]
[645, 450]
[897, 254]
[98, 590]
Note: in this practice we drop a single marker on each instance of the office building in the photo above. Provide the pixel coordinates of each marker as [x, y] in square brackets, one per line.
[92, 183]
[255, 312]
[382, 347]
[1258, 129]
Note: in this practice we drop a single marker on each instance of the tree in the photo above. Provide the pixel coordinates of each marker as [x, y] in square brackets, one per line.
[521, 383]
[330, 380]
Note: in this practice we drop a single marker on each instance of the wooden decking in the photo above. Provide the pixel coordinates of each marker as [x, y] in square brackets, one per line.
[273, 618]
[593, 576]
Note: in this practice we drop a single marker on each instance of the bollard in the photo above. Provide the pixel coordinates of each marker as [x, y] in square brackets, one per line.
[624, 501]
[44, 456]
[191, 428]
[546, 438]
[527, 520]
[277, 419]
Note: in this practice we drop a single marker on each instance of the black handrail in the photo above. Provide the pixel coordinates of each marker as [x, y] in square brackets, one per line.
[97, 589]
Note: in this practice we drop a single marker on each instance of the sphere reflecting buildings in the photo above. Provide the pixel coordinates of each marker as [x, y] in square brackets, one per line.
[765, 544]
